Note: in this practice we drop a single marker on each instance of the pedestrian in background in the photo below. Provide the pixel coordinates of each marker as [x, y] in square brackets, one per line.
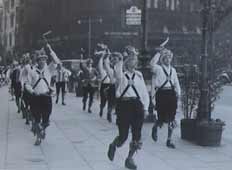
[62, 75]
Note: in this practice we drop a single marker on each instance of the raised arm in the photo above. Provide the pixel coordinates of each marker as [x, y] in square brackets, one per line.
[55, 60]
[154, 62]
[53, 55]
[109, 70]
[83, 67]
[118, 67]
[145, 95]
[100, 67]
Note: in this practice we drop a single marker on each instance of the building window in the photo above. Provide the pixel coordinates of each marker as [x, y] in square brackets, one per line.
[165, 30]
[178, 4]
[167, 4]
[12, 20]
[192, 7]
[198, 30]
[184, 29]
[173, 5]
[10, 39]
[156, 3]
[5, 23]
[12, 3]
[7, 3]
[148, 3]
[5, 40]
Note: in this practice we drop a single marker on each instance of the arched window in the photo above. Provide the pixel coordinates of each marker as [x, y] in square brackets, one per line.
[148, 3]
[168, 4]
[12, 3]
[156, 2]
[173, 5]
[192, 7]
[178, 4]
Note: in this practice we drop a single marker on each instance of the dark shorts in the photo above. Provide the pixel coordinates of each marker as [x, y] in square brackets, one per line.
[41, 108]
[60, 85]
[17, 89]
[130, 114]
[166, 105]
[27, 98]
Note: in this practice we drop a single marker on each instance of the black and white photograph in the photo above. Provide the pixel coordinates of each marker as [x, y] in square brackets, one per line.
[115, 84]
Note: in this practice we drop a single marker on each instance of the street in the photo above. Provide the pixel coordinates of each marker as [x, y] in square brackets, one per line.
[77, 140]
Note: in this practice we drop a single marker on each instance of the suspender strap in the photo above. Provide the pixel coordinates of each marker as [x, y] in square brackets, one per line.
[168, 79]
[104, 78]
[44, 79]
[129, 85]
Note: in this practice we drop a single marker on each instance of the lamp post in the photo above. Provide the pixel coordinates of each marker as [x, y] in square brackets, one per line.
[145, 56]
[213, 13]
[208, 132]
[203, 112]
[144, 26]
[89, 21]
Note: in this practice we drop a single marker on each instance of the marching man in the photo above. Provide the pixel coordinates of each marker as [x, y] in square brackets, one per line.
[38, 84]
[107, 89]
[89, 74]
[25, 94]
[16, 84]
[166, 91]
[131, 106]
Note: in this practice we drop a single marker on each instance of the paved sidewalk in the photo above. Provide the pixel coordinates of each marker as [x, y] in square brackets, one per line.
[77, 140]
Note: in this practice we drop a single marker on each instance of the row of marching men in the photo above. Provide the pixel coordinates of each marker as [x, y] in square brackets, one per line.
[31, 86]
[124, 88]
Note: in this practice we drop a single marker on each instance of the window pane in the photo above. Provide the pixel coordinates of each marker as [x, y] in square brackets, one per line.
[148, 3]
[156, 3]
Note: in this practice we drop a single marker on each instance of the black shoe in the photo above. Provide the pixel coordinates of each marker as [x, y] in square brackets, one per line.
[154, 133]
[109, 118]
[33, 129]
[89, 110]
[84, 107]
[170, 144]
[101, 113]
[111, 152]
[56, 101]
[37, 142]
[27, 122]
[63, 103]
[130, 164]
[43, 134]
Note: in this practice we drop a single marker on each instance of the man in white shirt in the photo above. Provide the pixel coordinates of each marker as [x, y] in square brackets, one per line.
[16, 84]
[89, 74]
[38, 84]
[107, 89]
[26, 97]
[166, 91]
[132, 105]
[62, 75]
